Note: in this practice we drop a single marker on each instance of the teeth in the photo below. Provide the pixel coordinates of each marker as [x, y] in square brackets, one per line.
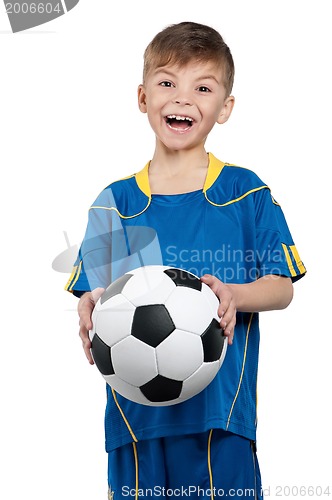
[177, 117]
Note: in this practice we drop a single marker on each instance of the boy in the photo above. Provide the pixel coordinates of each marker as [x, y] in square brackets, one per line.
[216, 220]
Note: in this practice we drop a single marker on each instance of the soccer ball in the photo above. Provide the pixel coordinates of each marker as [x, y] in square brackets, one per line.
[156, 337]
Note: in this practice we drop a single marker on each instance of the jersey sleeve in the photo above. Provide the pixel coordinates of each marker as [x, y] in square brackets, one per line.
[92, 268]
[112, 245]
[276, 250]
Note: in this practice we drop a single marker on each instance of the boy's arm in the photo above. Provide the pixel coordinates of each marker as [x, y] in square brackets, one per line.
[85, 307]
[268, 293]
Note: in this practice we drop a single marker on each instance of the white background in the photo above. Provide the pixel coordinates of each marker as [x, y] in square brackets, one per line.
[69, 126]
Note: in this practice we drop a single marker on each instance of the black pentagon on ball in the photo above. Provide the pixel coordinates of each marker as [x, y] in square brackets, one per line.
[161, 389]
[152, 324]
[101, 354]
[115, 288]
[213, 341]
[183, 278]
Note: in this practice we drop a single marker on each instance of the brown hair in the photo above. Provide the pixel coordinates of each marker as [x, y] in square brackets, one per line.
[187, 41]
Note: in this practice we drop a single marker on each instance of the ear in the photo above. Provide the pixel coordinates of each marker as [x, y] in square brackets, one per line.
[141, 96]
[226, 110]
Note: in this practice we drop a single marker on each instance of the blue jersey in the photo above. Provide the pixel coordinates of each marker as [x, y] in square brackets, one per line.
[233, 229]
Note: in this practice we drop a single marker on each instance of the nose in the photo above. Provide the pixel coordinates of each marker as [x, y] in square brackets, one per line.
[182, 97]
[184, 102]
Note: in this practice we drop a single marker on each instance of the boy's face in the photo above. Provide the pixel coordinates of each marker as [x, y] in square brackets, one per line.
[183, 103]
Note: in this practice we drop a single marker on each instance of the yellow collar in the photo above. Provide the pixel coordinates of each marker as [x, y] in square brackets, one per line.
[214, 168]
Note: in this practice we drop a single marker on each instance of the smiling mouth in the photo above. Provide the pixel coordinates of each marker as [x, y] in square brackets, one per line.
[178, 122]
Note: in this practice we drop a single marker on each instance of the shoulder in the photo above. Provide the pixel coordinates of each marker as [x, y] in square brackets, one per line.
[234, 183]
[241, 175]
[123, 196]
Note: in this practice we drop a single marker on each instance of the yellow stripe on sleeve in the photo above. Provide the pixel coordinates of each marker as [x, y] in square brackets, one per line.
[71, 277]
[289, 260]
[77, 275]
[297, 259]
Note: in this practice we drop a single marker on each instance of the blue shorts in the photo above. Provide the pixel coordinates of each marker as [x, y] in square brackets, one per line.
[209, 465]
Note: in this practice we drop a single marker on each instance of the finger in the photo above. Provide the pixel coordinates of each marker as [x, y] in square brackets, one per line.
[230, 338]
[229, 315]
[85, 319]
[229, 334]
[223, 307]
[87, 351]
[226, 303]
[229, 329]
[207, 278]
[211, 281]
[86, 342]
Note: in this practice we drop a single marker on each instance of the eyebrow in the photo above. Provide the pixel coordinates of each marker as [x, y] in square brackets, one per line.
[163, 70]
[203, 77]
[209, 77]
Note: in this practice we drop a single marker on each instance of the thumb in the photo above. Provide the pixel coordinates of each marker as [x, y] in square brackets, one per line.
[214, 283]
[208, 279]
[97, 293]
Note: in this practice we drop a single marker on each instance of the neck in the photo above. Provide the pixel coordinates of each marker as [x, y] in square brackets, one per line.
[171, 163]
[175, 172]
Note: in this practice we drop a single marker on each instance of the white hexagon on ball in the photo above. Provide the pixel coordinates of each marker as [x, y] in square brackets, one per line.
[179, 355]
[211, 299]
[113, 322]
[189, 310]
[134, 361]
[199, 380]
[148, 287]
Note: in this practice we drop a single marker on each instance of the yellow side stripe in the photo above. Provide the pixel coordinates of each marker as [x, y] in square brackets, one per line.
[136, 470]
[124, 417]
[236, 199]
[297, 259]
[256, 404]
[242, 371]
[289, 260]
[209, 463]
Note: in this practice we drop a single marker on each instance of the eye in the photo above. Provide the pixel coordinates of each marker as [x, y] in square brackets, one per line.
[166, 83]
[203, 88]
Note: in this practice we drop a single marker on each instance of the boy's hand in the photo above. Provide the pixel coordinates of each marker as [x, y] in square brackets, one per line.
[85, 307]
[227, 307]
